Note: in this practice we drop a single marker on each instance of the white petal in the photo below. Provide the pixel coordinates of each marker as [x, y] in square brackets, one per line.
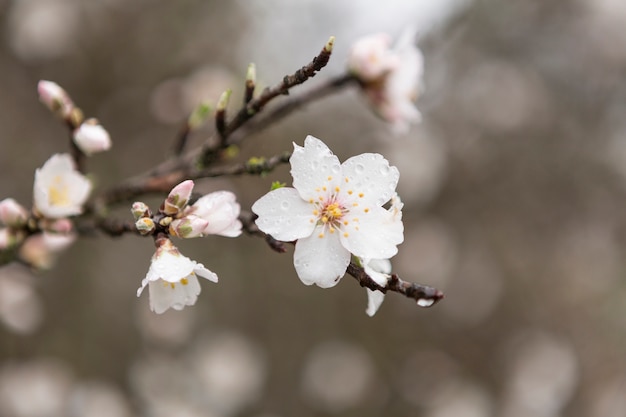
[170, 266]
[144, 282]
[374, 300]
[200, 270]
[284, 215]
[377, 269]
[377, 236]
[165, 295]
[311, 168]
[321, 261]
[370, 174]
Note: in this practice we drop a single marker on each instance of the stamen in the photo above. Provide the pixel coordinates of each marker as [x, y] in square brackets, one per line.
[321, 235]
[336, 189]
[330, 178]
[361, 195]
[366, 210]
[345, 234]
[184, 281]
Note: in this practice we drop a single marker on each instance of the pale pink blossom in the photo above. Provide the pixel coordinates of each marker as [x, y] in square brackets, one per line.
[188, 227]
[41, 250]
[221, 212]
[178, 198]
[333, 210]
[371, 58]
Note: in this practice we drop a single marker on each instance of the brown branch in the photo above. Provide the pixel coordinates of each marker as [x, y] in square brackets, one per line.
[294, 103]
[423, 295]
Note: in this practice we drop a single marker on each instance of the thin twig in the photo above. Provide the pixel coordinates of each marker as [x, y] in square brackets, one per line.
[423, 295]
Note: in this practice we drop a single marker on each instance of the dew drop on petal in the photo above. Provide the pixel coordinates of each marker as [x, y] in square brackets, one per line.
[384, 169]
[425, 302]
[336, 168]
[359, 168]
[284, 205]
[315, 164]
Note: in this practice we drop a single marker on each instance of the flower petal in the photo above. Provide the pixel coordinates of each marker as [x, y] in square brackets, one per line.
[320, 260]
[371, 174]
[374, 300]
[312, 166]
[284, 215]
[200, 270]
[376, 237]
[165, 295]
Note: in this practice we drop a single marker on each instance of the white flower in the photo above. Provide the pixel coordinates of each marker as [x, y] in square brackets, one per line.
[90, 137]
[333, 210]
[221, 210]
[60, 190]
[172, 279]
[378, 270]
[392, 94]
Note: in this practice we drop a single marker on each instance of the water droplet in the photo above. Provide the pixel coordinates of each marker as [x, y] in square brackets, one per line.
[284, 205]
[336, 168]
[315, 164]
[359, 168]
[425, 302]
[384, 169]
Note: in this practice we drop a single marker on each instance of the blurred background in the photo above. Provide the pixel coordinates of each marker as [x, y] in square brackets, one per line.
[514, 191]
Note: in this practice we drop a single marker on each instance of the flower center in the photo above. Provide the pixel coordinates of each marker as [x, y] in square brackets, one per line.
[332, 213]
[58, 193]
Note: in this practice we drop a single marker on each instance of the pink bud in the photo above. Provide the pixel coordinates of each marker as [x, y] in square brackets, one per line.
[178, 198]
[12, 213]
[63, 226]
[55, 98]
[91, 137]
[188, 227]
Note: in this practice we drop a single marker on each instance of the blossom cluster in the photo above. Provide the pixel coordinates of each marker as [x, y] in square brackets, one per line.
[172, 278]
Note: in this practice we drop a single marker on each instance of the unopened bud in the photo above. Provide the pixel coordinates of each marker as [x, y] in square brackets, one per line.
[12, 213]
[55, 98]
[140, 210]
[145, 225]
[199, 115]
[9, 238]
[63, 226]
[223, 101]
[90, 137]
[188, 227]
[178, 198]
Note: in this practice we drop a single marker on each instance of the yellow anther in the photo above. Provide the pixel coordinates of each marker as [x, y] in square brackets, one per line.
[321, 235]
[355, 204]
[330, 178]
[350, 192]
[172, 285]
[321, 198]
[366, 210]
[317, 190]
[361, 195]
[324, 188]
[324, 219]
[311, 200]
[347, 179]
[345, 222]
[345, 234]
[337, 189]
[331, 230]
[184, 281]
[316, 213]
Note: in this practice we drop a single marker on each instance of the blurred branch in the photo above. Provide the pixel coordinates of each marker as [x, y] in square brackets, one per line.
[423, 295]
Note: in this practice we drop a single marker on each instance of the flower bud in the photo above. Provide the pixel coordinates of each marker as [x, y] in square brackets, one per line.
[178, 198]
[188, 227]
[55, 98]
[145, 225]
[12, 213]
[9, 238]
[91, 137]
[371, 57]
[41, 250]
[63, 226]
[221, 211]
[140, 210]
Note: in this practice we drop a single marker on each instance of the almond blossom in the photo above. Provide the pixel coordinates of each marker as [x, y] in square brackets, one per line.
[41, 250]
[333, 210]
[60, 190]
[221, 211]
[391, 78]
[172, 279]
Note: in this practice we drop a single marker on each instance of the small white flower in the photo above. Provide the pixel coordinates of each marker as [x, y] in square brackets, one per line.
[60, 190]
[172, 279]
[221, 210]
[400, 71]
[333, 210]
[90, 137]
